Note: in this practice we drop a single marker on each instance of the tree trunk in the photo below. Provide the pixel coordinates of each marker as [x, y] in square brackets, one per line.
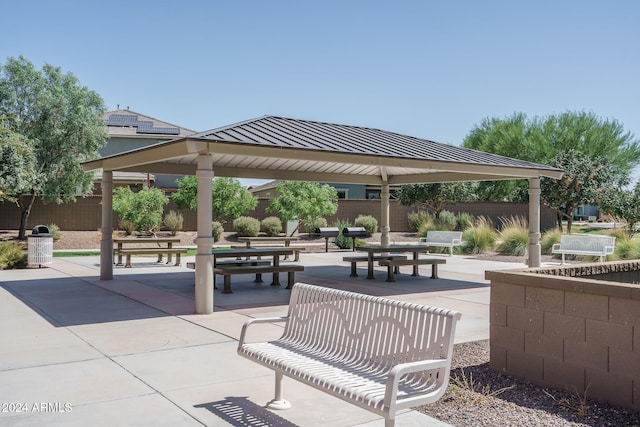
[24, 215]
[559, 219]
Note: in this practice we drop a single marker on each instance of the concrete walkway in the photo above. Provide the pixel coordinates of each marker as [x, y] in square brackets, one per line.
[79, 351]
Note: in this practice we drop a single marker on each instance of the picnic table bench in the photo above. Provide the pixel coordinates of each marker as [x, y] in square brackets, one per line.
[600, 246]
[447, 239]
[354, 260]
[127, 252]
[379, 354]
[228, 270]
[394, 264]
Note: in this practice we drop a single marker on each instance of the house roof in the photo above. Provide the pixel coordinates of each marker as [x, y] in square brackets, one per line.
[127, 123]
[273, 147]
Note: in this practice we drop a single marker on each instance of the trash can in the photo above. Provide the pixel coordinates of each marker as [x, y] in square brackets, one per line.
[40, 246]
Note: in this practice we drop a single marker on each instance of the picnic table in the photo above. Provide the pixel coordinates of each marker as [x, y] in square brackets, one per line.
[160, 241]
[269, 240]
[415, 261]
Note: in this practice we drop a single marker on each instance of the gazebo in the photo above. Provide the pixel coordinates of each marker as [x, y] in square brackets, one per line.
[272, 147]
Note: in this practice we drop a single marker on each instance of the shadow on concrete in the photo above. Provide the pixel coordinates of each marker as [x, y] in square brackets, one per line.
[240, 411]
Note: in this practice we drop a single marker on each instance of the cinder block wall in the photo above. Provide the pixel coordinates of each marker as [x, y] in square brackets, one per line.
[569, 332]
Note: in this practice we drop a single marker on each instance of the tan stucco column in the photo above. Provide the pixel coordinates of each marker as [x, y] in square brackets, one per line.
[106, 228]
[384, 214]
[534, 222]
[204, 241]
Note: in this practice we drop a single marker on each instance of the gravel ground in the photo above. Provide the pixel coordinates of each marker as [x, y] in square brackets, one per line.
[478, 396]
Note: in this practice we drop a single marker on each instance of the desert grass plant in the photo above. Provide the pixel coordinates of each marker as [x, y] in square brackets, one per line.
[513, 237]
[54, 230]
[462, 381]
[271, 226]
[626, 249]
[174, 222]
[127, 226]
[479, 238]
[369, 223]
[216, 230]
[12, 256]
[548, 239]
[246, 226]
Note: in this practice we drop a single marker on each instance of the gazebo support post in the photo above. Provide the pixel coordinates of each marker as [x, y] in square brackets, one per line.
[534, 222]
[204, 241]
[106, 228]
[384, 214]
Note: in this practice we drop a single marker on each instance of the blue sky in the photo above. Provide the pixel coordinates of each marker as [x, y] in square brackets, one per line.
[429, 69]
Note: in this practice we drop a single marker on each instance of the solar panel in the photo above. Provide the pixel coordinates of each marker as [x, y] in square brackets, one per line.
[142, 126]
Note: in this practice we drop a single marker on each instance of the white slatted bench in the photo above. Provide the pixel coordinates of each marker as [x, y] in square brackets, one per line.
[380, 354]
[600, 246]
[395, 263]
[447, 239]
[354, 260]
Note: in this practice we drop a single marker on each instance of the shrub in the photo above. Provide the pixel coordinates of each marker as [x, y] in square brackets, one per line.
[173, 221]
[480, 238]
[418, 219]
[246, 226]
[127, 226]
[271, 225]
[143, 208]
[464, 220]
[216, 230]
[341, 241]
[620, 234]
[310, 227]
[514, 236]
[447, 221]
[54, 230]
[12, 256]
[369, 223]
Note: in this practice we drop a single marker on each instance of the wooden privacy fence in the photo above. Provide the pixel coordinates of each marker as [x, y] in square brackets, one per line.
[85, 213]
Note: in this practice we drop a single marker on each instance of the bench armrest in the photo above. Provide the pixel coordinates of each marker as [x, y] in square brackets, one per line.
[398, 371]
[555, 247]
[456, 242]
[250, 322]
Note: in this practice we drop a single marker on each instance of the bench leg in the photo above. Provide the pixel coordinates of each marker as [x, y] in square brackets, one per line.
[258, 278]
[160, 258]
[177, 259]
[290, 279]
[227, 284]
[278, 402]
[128, 261]
[390, 277]
[276, 279]
[434, 271]
[415, 271]
[354, 272]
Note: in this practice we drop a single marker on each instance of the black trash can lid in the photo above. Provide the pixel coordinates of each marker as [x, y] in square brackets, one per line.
[40, 230]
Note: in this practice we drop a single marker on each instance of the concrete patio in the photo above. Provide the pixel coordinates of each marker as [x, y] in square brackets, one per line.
[80, 351]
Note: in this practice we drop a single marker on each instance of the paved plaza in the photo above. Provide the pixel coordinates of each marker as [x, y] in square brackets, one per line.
[79, 351]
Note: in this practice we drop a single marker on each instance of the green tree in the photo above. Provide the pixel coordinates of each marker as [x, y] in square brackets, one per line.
[17, 165]
[585, 179]
[434, 197]
[623, 204]
[143, 208]
[541, 139]
[304, 200]
[230, 199]
[62, 123]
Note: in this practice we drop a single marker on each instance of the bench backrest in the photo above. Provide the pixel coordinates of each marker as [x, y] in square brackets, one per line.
[370, 330]
[586, 243]
[443, 236]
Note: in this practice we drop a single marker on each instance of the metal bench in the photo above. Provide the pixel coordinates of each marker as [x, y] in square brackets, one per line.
[379, 354]
[395, 263]
[152, 251]
[228, 270]
[447, 239]
[354, 260]
[599, 246]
